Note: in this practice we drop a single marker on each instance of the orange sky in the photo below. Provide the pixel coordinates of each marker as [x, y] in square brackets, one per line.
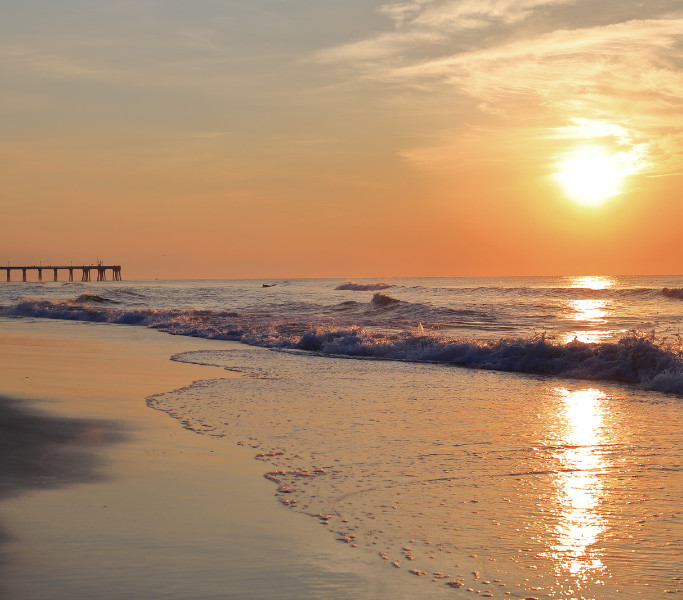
[303, 138]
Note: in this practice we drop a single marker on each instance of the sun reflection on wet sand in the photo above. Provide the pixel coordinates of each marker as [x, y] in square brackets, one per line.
[508, 486]
[579, 487]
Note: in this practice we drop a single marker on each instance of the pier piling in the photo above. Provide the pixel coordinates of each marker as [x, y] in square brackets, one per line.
[85, 272]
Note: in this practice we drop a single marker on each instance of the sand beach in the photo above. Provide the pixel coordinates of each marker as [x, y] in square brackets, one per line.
[104, 497]
[146, 453]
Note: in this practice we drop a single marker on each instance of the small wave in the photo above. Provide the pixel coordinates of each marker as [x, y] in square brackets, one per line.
[636, 359]
[383, 300]
[673, 293]
[126, 293]
[363, 287]
[72, 311]
[346, 306]
[88, 298]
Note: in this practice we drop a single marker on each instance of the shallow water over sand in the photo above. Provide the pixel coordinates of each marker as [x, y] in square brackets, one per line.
[508, 485]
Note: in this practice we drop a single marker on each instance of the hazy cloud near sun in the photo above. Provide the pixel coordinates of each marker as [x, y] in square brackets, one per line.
[534, 61]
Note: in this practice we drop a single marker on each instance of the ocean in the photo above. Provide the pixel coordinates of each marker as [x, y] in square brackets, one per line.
[515, 437]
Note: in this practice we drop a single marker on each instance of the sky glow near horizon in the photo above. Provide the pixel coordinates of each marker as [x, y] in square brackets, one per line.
[283, 138]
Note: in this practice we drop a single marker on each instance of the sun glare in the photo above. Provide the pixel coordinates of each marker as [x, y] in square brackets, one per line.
[590, 177]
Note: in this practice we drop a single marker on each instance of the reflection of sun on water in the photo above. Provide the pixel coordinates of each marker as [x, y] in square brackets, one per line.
[588, 312]
[591, 282]
[578, 486]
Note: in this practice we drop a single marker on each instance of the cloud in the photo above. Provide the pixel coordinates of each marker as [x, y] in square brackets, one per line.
[463, 14]
[420, 22]
[386, 45]
[621, 81]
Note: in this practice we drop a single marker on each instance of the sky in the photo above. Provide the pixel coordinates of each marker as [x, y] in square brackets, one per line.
[330, 138]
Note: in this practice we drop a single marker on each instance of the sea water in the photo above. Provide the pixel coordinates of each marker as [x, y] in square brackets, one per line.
[513, 437]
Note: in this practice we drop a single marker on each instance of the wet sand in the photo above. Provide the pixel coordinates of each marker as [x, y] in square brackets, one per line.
[39, 450]
[101, 496]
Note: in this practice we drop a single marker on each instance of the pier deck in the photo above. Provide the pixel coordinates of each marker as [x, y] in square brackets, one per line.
[84, 269]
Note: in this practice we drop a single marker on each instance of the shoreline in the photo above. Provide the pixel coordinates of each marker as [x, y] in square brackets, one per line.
[169, 514]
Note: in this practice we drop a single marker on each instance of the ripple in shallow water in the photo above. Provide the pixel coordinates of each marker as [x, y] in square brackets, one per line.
[507, 485]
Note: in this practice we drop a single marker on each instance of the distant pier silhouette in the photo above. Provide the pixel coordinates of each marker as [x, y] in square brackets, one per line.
[84, 269]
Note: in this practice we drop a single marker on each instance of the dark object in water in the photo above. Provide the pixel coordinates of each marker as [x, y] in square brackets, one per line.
[268, 285]
[87, 298]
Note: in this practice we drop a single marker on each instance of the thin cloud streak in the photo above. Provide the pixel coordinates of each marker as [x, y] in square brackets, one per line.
[463, 14]
[433, 22]
[624, 78]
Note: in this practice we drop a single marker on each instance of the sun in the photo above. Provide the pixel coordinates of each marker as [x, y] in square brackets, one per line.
[590, 176]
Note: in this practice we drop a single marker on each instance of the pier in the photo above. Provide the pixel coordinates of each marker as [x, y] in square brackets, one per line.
[85, 270]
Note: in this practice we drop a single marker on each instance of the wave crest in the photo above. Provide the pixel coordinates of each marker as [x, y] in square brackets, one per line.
[88, 298]
[636, 359]
[673, 293]
[362, 287]
[383, 300]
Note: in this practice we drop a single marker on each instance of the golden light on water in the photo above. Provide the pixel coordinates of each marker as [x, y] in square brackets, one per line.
[590, 176]
[591, 282]
[589, 312]
[579, 487]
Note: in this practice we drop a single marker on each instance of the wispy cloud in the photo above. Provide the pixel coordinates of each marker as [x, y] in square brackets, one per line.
[434, 21]
[453, 15]
[622, 81]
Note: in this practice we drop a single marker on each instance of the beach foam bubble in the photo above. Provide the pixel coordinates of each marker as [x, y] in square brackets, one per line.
[449, 472]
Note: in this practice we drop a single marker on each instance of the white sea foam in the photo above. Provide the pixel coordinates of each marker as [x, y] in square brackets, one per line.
[634, 359]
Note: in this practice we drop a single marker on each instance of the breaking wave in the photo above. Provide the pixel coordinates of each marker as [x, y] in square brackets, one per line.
[673, 293]
[636, 359]
[362, 287]
[380, 299]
